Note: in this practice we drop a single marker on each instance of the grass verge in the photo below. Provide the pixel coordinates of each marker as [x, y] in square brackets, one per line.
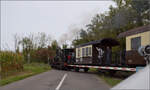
[111, 81]
[29, 70]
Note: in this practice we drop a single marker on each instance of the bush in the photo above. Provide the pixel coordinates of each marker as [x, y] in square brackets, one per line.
[10, 62]
[42, 55]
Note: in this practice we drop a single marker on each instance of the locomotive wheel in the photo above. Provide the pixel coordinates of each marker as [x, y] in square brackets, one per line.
[86, 69]
[61, 67]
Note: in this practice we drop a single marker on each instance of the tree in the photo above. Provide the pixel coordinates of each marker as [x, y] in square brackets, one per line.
[16, 42]
[43, 40]
[64, 46]
[35, 47]
[27, 45]
[127, 15]
[54, 44]
[142, 8]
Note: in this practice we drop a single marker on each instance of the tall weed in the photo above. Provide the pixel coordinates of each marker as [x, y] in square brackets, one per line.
[10, 62]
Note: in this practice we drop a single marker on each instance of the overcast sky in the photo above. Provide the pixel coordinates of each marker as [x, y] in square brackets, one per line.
[52, 17]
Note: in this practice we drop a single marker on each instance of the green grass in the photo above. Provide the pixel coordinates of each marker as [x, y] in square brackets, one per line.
[111, 81]
[36, 67]
[92, 70]
[29, 70]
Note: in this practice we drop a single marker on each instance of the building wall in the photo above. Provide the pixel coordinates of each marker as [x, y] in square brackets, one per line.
[145, 39]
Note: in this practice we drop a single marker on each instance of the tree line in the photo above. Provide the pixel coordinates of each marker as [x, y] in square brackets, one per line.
[126, 15]
[37, 47]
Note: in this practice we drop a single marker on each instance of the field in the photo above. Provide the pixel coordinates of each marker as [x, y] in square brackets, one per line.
[29, 70]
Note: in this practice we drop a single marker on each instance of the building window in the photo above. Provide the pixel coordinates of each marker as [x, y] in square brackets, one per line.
[135, 43]
[90, 51]
[78, 52]
[86, 51]
[83, 52]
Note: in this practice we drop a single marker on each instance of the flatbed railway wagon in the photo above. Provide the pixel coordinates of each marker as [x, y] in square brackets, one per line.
[98, 54]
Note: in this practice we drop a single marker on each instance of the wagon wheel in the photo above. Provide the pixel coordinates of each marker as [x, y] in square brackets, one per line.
[86, 69]
[112, 72]
[77, 69]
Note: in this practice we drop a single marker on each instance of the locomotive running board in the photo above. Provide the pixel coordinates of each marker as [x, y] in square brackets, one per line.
[105, 67]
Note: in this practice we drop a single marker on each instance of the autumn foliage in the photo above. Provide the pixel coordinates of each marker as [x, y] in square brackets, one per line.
[43, 55]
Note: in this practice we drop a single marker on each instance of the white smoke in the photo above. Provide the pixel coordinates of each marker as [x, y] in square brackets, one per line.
[71, 34]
